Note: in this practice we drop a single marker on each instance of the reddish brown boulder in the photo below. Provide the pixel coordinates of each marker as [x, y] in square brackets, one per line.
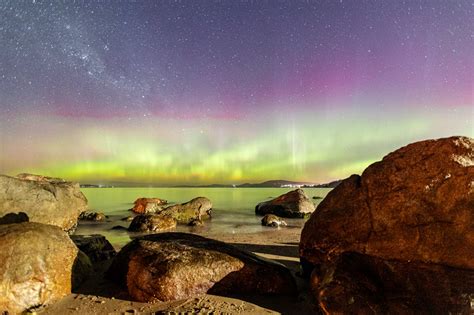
[416, 206]
[148, 205]
[294, 204]
[170, 266]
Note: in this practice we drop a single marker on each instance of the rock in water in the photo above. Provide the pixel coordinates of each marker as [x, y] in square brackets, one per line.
[272, 220]
[416, 205]
[197, 208]
[43, 199]
[92, 216]
[294, 204]
[36, 265]
[148, 205]
[170, 266]
[152, 223]
[95, 246]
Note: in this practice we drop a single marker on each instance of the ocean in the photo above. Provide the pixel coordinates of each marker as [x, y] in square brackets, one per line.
[233, 209]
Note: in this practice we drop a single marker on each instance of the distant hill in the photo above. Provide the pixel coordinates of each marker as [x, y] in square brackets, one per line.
[332, 184]
[276, 183]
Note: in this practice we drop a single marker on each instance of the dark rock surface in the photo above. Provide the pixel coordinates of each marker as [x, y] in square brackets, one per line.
[95, 246]
[10, 218]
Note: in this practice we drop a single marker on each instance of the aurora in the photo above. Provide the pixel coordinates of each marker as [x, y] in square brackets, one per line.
[228, 92]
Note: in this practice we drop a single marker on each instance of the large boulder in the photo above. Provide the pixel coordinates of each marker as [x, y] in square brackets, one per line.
[148, 205]
[152, 223]
[416, 205]
[45, 200]
[170, 266]
[293, 204]
[36, 265]
[197, 208]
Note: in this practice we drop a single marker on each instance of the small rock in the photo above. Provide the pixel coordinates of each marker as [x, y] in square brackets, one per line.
[197, 208]
[294, 204]
[148, 205]
[272, 221]
[195, 222]
[92, 216]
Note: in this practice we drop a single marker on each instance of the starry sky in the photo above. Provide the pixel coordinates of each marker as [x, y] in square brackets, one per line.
[198, 92]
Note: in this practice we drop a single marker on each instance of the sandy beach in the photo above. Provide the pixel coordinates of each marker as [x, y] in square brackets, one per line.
[100, 296]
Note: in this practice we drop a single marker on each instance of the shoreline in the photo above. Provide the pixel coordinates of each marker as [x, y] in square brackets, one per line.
[101, 296]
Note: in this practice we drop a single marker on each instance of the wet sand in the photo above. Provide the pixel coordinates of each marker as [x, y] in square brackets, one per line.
[101, 296]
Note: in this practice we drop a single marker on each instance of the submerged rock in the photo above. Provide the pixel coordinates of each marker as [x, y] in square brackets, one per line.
[416, 206]
[272, 220]
[119, 228]
[128, 219]
[36, 265]
[196, 222]
[197, 208]
[148, 205]
[92, 216]
[44, 199]
[294, 204]
[152, 223]
[95, 246]
[171, 266]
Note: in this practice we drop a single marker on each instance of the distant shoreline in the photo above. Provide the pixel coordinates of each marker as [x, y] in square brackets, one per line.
[266, 184]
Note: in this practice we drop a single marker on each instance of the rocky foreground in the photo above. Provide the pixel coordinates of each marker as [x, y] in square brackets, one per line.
[397, 239]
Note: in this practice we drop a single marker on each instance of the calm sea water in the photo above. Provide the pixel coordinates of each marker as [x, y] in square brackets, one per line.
[233, 208]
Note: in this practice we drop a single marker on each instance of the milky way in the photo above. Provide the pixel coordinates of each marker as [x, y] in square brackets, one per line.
[172, 92]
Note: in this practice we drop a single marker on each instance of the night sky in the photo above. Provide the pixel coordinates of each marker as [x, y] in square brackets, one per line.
[174, 92]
